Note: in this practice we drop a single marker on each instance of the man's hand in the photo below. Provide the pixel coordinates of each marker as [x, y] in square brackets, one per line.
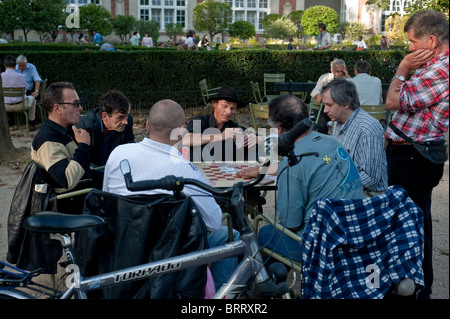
[81, 135]
[416, 59]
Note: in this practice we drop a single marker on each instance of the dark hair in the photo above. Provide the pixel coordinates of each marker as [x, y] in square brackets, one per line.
[428, 22]
[54, 94]
[114, 101]
[322, 26]
[343, 93]
[10, 61]
[363, 67]
[135, 32]
[287, 110]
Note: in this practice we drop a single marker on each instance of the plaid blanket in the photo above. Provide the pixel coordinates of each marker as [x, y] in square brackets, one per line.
[359, 248]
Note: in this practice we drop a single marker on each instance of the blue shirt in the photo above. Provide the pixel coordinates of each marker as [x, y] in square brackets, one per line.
[97, 38]
[31, 75]
[362, 137]
[329, 173]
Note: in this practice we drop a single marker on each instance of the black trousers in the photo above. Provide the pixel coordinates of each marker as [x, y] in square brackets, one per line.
[418, 176]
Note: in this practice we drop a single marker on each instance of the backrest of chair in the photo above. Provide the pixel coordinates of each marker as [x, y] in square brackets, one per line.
[14, 92]
[377, 111]
[272, 78]
[258, 110]
[256, 92]
[204, 90]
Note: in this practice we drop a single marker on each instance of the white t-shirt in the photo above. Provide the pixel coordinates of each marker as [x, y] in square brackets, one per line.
[152, 160]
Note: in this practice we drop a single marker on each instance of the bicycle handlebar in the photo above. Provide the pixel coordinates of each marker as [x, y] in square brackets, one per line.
[176, 183]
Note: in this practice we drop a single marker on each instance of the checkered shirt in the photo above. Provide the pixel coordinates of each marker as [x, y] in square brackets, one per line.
[356, 249]
[424, 103]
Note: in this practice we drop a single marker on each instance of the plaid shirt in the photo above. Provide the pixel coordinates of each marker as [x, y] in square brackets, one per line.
[424, 103]
[359, 248]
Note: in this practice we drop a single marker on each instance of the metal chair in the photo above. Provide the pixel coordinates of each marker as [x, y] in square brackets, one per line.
[206, 94]
[259, 99]
[315, 106]
[269, 252]
[258, 110]
[20, 106]
[379, 112]
[272, 78]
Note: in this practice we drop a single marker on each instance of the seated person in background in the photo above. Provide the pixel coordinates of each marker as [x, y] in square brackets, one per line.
[12, 79]
[156, 157]
[360, 44]
[368, 87]
[109, 126]
[359, 132]
[338, 70]
[216, 137]
[59, 147]
[326, 170]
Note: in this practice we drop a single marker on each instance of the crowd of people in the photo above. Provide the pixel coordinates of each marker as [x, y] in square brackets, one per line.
[357, 159]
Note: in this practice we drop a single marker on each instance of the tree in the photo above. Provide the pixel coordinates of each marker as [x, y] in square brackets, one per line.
[242, 29]
[49, 16]
[95, 17]
[152, 27]
[419, 5]
[296, 17]
[316, 14]
[270, 18]
[17, 14]
[352, 30]
[213, 17]
[173, 30]
[394, 27]
[123, 26]
[282, 28]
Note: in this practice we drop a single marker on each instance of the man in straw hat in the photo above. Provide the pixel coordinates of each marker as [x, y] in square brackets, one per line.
[216, 137]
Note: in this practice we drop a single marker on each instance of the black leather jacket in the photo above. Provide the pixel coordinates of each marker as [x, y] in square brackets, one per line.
[141, 229]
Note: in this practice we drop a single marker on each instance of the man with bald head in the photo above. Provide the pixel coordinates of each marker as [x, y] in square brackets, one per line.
[156, 157]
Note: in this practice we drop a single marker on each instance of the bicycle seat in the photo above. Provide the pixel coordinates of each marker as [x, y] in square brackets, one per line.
[52, 222]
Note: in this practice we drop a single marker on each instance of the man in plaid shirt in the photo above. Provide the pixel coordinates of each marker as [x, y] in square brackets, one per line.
[422, 114]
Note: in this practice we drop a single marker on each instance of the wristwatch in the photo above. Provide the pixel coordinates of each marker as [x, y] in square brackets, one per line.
[399, 77]
[36, 91]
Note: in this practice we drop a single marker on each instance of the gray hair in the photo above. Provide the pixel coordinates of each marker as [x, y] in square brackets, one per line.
[337, 62]
[21, 59]
[343, 93]
[426, 23]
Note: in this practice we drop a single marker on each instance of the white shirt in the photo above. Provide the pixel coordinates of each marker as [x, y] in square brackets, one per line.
[152, 160]
[368, 88]
[361, 44]
[321, 82]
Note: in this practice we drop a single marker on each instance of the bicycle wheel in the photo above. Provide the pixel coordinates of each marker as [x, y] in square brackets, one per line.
[14, 294]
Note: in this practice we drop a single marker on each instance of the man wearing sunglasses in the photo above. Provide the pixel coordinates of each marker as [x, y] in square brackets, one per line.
[59, 147]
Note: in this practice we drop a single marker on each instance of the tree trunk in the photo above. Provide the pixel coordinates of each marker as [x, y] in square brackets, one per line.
[6, 145]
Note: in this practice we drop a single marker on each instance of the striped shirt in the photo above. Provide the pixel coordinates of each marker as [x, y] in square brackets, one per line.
[424, 103]
[362, 137]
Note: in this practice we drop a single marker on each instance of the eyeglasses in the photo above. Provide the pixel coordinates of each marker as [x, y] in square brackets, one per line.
[74, 104]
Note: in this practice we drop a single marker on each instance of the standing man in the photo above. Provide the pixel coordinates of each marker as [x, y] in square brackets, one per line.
[109, 126]
[59, 147]
[359, 132]
[12, 79]
[338, 70]
[96, 37]
[421, 102]
[368, 87]
[324, 38]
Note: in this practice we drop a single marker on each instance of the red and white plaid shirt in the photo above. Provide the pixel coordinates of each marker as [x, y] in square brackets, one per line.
[424, 98]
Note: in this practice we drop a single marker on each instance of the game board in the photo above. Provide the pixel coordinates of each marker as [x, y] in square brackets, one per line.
[221, 174]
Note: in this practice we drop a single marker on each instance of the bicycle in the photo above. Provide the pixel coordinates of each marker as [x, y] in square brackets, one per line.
[249, 270]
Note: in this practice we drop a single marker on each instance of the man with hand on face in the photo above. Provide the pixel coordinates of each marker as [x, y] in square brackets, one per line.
[421, 104]
[109, 126]
[216, 137]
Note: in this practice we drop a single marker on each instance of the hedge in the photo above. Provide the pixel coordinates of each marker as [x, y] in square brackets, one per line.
[147, 76]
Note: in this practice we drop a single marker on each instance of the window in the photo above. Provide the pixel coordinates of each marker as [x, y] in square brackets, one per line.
[252, 11]
[164, 11]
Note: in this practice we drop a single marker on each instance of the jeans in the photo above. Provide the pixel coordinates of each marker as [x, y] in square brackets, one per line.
[279, 242]
[418, 176]
[221, 270]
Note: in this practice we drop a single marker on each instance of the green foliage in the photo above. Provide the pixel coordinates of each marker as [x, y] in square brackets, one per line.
[296, 17]
[282, 28]
[95, 17]
[147, 76]
[242, 29]
[268, 19]
[174, 30]
[213, 17]
[123, 26]
[352, 30]
[419, 5]
[152, 27]
[316, 14]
